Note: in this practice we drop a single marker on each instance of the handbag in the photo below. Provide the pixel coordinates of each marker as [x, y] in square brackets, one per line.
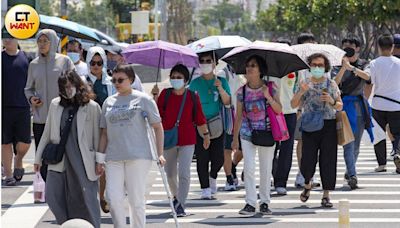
[171, 136]
[314, 120]
[344, 132]
[279, 128]
[258, 137]
[53, 153]
[215, 127]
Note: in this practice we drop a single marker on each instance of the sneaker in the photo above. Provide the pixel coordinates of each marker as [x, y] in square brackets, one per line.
[206, 193]
[230, 187]
[175, 202]
[180, 212]
[315, 182]
[396, 160]
[248, 210]
[398, 171]
[392, 154]
[236, 182]
[299, 182]
[381, 168]
[264, 209]
[281, 191]
[352, 182]
[213, 185]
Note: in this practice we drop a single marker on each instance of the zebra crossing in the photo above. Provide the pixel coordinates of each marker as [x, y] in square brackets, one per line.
[375, 202]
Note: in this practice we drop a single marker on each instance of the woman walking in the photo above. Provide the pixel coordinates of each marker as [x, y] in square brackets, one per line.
[252, 102]
[320, 99]
[127, 147]
[71, 187]
[172, 102]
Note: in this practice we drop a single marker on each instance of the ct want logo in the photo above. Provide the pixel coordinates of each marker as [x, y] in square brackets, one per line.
[22, 21]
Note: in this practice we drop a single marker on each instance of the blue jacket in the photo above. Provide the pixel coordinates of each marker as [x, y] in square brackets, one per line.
[349, 107]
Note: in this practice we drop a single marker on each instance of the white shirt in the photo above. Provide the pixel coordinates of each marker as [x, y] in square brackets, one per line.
[385, 75]
[286, 93]
[137, 84]
[82, 70]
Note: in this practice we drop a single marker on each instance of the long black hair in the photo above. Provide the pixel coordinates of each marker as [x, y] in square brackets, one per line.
[83, 94]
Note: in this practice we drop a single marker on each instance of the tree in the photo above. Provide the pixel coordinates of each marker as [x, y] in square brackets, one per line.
[222, 15]
[330, 20]
[179, 24]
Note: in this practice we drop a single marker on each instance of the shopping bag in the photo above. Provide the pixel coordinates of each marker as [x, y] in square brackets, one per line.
[38, 188]
[344, 132]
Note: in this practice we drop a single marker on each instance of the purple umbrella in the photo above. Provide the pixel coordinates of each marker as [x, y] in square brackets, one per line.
[160, 54]
[280, 58]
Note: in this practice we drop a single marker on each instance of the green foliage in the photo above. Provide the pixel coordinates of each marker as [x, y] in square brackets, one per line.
[222, 15]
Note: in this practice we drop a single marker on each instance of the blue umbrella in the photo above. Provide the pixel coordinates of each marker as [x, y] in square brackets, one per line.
[68, 28]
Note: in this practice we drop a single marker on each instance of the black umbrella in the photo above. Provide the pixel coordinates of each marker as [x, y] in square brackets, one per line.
[280, 58]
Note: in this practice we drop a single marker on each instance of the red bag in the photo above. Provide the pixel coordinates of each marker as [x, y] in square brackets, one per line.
[279, 128]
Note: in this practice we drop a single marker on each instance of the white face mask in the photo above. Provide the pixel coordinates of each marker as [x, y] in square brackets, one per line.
[177, 83]
[75, 57]
[70, 93]
[206, 68]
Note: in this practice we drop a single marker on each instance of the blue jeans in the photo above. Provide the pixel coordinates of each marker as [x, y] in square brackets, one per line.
[352, 149]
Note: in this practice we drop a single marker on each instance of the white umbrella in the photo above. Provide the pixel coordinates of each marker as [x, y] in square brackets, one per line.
[333, 53]
[220, 44]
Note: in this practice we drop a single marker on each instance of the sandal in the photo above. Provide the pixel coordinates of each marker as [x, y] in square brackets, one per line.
[19, 174]
[305, 194]
[10, 181]
[326, 202]
[104, 206]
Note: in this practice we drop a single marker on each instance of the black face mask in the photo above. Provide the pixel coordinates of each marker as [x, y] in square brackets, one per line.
[350, 52]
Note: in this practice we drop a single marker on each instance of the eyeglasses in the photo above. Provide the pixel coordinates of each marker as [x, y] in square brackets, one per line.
[251, 65]
[94, 63]
[317, 65]
[119, 80]
[43, 42]
[206, 60]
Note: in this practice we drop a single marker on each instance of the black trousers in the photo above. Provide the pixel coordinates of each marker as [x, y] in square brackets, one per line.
[320, 146]
[393, 119]
[38, 130]
[283, 162]
[214, 154]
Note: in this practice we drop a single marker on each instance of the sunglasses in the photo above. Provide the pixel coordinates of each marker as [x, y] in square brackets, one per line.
[251, 65]
[94, 63]
[317, 65]
[206, 60]
[119, 80]
[43, 42]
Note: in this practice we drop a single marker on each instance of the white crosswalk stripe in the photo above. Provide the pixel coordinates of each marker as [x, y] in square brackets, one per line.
[377, 200]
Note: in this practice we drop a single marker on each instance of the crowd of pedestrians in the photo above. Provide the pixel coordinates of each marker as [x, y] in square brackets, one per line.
[94, 105]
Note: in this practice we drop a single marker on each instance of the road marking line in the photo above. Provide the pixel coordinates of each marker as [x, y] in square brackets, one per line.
[278, 210]
[221, 185]
[245, 220]
[24, 213]
[313, 192]
[297, 202]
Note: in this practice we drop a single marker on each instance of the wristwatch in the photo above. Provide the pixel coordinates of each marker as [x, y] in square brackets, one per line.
[353, 69]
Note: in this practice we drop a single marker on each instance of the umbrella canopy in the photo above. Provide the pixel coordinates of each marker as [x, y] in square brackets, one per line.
[68, 28]
[160, 54]
[333, 53]
[280, 58]
[220, 44]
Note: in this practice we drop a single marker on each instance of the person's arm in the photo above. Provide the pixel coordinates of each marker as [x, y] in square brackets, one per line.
[155, 91]
[45, 139]
[100, 155]
[339, 75]
[237, 126]
[159, 133]
[274, 101]
[296, 100]
[225, 97]
[358, 72]
[206, 135]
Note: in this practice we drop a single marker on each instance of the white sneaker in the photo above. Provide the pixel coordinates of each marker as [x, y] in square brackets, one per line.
[299, 182]
[230, 187]
[206, 193]
[281, 191]
[213, 185]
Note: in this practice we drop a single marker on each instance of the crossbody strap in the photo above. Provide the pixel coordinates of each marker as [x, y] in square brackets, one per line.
[67, 127]
[387, 98]
[181, 109]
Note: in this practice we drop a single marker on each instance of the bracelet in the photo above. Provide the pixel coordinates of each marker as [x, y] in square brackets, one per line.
[334, 103]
